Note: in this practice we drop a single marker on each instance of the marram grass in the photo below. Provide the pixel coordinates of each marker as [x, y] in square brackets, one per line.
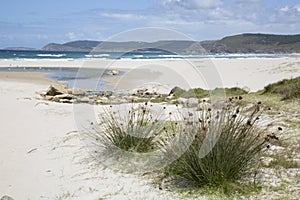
[236, 143]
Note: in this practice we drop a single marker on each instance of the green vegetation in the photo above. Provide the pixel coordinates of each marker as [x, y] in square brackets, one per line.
[192, 93]
[262, 39]
[288, 88]
[131, 130]
[243, 43]
[241, 138]
[201, 93]
[231, 92]
[281, 161]
[226, 192]
[234, 155]
[239, 143]
[260, 43]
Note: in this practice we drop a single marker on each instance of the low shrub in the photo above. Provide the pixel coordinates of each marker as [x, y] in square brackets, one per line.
[287, 88]
[226, 146]
[192, 93]
[201, 93]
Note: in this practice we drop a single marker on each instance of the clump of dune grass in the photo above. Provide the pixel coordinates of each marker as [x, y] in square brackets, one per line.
[208, 146]
[226, 147]
[287, 88]
[132, 129]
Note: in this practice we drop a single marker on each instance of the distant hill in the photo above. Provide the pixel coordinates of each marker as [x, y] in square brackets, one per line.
[243, 43]
[84, 45]
[20, 48]
[261, 43]
[171, 46]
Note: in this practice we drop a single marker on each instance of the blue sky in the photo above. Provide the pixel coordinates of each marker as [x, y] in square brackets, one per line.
[34, 23]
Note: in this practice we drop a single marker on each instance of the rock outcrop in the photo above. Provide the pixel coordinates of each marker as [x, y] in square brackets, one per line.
[56, 90]
[176, 89]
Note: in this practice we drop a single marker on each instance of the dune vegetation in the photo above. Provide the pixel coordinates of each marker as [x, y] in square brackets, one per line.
[243, 132]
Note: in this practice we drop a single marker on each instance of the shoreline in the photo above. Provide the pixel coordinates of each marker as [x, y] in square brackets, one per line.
[251, 73]
[95, 62]
[31, 77]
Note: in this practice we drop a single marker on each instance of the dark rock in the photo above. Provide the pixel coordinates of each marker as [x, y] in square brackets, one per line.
[66, 101]
[58, 98]
[176, 89]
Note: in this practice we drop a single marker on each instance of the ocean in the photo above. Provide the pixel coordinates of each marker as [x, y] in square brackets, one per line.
[89, 80]
[22, 54]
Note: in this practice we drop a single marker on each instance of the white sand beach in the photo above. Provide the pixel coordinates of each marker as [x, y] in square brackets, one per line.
[37, 159]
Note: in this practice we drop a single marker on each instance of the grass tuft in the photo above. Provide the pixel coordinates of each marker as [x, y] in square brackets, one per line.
[235, 140]
[132, 130]
[288, 88]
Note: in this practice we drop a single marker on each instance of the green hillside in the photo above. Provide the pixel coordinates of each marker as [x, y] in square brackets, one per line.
[244, 43]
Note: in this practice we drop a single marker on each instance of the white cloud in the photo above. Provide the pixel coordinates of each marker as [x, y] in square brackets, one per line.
[297, 8]
[122, 16]
[191, 4]
[210, 19]
[284, 9]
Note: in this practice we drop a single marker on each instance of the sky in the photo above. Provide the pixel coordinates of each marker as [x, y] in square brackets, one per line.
[35, 23]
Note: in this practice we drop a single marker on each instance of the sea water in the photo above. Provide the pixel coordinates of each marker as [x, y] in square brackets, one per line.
[92, 79]
[39, 54]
